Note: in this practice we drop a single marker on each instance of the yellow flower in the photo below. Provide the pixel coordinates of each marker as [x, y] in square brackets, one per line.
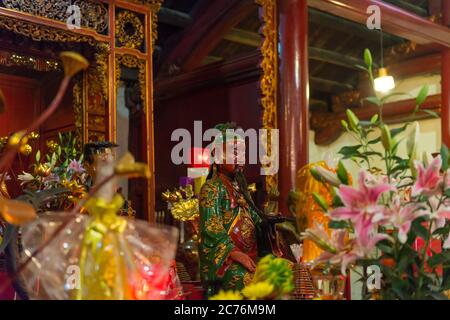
[52, 146]
[227, 295]
[26, 149]
[258, 290]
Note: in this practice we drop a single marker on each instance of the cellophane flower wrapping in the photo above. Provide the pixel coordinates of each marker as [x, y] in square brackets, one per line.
[132, 263]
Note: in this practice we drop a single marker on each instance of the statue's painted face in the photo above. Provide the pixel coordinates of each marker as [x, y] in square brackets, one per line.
[232, 156]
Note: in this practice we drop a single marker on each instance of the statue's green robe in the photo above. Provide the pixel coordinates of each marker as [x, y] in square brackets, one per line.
[227, 224]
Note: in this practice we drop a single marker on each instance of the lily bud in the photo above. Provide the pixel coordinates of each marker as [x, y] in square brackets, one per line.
[352, 119]
[328, 176]
[413, 139]
[386, 139]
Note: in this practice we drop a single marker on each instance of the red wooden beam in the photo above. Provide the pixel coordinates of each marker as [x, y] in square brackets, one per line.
[207, 31]
[445, 81]
[244, 68]
[293, 116]
[393, 19]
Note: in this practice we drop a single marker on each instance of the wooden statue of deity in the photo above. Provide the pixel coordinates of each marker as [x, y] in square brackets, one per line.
[229, 221]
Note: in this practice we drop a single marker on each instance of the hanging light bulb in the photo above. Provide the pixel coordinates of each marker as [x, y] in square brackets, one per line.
[384, 83]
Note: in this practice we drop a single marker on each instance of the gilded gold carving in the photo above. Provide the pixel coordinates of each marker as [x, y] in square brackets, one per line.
[130, 61]
[97, 106]
[345, 100]
[96, 136]
[155, 6]
[93, 14]
[42, 33]
[129, 30]
[101, 60]
[12, 59]
[78, 108]
[402, 49]
[269, 80]
[96, 123]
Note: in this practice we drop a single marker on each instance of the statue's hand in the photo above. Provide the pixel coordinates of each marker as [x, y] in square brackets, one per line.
[244, 260]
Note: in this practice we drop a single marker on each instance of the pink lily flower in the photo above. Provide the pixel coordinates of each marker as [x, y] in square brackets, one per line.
[75, 166]
[440, 213]
[366, 237]
[361, 203]
[401, 217]
[428, 179]
[320, 237]
[340, 254]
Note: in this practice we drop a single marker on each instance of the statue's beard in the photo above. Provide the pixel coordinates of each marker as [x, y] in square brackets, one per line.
[243, 186]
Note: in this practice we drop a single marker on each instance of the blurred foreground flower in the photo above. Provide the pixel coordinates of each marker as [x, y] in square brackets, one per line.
[16, 212]
[227, 295]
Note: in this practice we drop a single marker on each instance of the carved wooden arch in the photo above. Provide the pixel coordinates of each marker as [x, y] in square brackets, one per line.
[94, 93]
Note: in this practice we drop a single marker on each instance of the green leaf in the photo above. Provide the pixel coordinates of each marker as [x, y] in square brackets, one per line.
[396, 131]
[368, 58]
[441, 231]
[431, 113]
[335, 224]
[337, 202]
[349, 151]
[320, 201]
[438, 258]
[375, 141]
[420, 230]
[422, 96]
[444, 156]
[344, 124]
[342, 173]
[360, 67]
[373, 100]
[374, 118]
[385, 248]
[38, 156]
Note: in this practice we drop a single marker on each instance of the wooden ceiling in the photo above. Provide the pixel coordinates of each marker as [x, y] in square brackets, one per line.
[336, 45]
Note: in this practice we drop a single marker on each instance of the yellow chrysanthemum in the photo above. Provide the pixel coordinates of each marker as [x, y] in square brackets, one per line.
[227, 295]
[259, 290]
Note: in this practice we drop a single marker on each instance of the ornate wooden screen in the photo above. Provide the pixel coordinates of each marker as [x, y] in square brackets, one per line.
[122, 32]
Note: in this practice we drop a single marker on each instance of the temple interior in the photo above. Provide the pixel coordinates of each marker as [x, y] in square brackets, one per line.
[105, 109]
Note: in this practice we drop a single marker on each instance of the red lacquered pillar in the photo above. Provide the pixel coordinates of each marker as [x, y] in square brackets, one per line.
[445, 113]
[293, 93]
